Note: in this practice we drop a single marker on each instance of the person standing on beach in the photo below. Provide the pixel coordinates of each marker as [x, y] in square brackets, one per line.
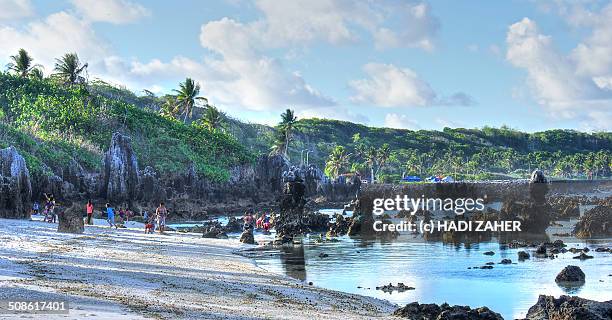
[89, 208]
[161, 214]
[110, 212]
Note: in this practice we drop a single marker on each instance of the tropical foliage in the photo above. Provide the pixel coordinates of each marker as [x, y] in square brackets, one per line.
[52, 124]
[186, 97]
[23, 65]
[69, 69]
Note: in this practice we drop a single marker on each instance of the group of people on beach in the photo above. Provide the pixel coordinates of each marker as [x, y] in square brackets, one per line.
[151, 221]
[262, 222]
[48, 210]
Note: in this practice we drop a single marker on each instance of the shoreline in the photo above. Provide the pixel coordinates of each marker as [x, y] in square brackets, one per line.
[124, 274]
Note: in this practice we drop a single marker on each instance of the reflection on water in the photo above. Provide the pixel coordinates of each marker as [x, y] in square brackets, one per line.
[442, 272]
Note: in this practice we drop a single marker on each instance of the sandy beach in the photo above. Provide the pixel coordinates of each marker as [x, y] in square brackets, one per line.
[124, 274]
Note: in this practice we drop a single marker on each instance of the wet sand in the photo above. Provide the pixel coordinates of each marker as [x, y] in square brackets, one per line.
[124, 274]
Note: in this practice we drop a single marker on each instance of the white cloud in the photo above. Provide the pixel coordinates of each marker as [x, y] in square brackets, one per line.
[593, 56]
[15, 9]
[401, 121]
[556, 80]
[244, 76]
[390, 86]
[391, 24]
[338, 113]
[51, 38]
[387, 85]
[112, 11]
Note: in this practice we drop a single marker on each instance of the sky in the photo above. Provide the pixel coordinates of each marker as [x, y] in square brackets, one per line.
[529, 65]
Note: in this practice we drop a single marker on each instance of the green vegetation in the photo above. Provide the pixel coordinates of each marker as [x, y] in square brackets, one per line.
[65, 117]
[464, 153]
[58, 119]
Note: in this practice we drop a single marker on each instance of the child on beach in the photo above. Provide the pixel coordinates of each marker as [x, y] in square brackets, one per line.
[266, 223]
[110, 212]
[149, 223]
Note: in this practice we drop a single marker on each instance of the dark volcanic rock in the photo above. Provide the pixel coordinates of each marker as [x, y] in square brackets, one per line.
[444, 311]
[596, 222]
[215, 232]
[569, 308]
[389, 288]
[120, 176]
[71, 220]
[247, 236]
[15, 185]
[522, 255]
[570, 274]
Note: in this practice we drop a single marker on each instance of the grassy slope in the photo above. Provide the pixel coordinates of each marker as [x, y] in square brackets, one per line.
[52, 124]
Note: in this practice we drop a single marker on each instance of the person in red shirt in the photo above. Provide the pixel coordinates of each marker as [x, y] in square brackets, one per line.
[90, 209]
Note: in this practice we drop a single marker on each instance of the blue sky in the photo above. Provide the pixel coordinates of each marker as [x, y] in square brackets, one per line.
[531, 65]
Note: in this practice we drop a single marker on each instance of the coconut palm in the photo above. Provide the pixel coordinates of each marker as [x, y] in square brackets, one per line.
[371, 156]
[169, 107]
[69, 69]
[338, 159]
[37, 74]
[186, 97]
[213, 118]
[288, 120]
[22, 64]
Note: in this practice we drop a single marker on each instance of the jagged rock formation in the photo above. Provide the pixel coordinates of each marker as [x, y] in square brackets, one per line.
[433, 311]
[566, 307]
[120, 178]
[269, 171]
[596, 222]
[533, 212]
[290, 221]
[15, 185]
[71, 219]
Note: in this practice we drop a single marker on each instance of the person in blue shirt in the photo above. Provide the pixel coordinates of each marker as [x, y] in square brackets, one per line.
[110, 212]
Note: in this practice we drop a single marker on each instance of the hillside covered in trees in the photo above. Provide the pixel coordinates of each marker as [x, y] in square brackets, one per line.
[63, 117]
[466, 153]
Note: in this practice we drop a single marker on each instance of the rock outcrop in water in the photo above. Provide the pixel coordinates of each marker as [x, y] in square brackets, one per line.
[290, 221]
[596, 222]
[120, 178]
[444, 311]
[15, 185]
[534, 212]
[570, 274]
[569, 308]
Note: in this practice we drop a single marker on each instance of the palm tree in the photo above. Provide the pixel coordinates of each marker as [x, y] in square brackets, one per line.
[337, 160]
[169, 108]
[186, 97]
[288, 120]
[69, 69]
[37, 74]
[382, 156]
[278, 146]
[213, 118]
[22, 64]
[371, 155]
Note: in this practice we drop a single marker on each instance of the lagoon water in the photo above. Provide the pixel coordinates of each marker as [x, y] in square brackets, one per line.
[440, 273]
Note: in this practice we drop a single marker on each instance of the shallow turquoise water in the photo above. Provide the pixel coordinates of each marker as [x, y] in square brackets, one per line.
[440, 273]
